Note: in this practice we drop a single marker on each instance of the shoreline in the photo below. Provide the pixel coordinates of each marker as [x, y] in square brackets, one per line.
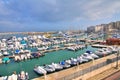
[60, 74]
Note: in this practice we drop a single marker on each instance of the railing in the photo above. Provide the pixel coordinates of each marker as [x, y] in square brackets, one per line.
[87, 70]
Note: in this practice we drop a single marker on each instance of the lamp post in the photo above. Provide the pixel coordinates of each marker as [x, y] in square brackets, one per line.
[117, 58]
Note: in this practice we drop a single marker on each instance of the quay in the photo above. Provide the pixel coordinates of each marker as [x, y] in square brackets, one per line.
[67, 74]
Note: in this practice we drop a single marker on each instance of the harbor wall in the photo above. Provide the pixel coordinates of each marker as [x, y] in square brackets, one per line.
[97, 71]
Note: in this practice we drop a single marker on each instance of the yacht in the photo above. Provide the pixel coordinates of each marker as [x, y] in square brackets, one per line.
[40, 70]
[49, 68]
[64, 64]
[57, 66]
[86, 56]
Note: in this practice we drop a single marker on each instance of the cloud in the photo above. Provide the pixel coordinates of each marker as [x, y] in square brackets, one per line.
[28, 12]
[59, 10]
[100, 9]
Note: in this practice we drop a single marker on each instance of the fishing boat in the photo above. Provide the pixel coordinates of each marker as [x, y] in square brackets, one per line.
[40, 70]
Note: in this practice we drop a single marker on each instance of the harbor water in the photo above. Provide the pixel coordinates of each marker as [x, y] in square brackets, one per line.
[28, 65]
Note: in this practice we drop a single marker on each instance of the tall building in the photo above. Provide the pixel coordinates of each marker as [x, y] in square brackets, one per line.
[110, 27]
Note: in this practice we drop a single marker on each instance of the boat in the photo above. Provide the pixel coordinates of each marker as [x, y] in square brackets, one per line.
[13, 77]
[71, 48]
[49, 68]
[17, 51]
[17, 58]
[64, 64]
[57, 66]
[92, 54]
[101, 52]
[3, 78]
[73, 61]
[83, 59]
[79, 60]
[23, 57]
[36, 55]
[5, 53]
[86, 56]
[43, 48]
[5, 60]
[23, 76]
[68, 61]
[107, 50]
[1, 54]
[40, 70]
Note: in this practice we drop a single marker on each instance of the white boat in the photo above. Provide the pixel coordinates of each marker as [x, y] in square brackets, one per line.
[1, 54]
[57, 66]
[49, 68]
[79, 59]
[12, 77]
[68, 61]
[114, 49]
[17, 58]
[83, 59]
[40, 70]
[107, 51]
[92, 55]
[5, 53]
[23, 57]
[3, 78]
[85, 56]
[64, 64]
[101, 52]
[71, 48]
[42, 48]
[23, 76]
[73, 61]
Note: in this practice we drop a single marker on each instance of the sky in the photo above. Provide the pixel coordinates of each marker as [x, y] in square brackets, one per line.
[56, 15]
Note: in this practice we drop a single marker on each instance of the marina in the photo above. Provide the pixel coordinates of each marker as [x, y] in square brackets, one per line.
[47, 55]
[60, 55]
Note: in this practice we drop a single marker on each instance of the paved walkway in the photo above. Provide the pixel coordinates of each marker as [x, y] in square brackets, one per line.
[106, 75]
[66, 72]
[114, 76]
